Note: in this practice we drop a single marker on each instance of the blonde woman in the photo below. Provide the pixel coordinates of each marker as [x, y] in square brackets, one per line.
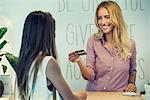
[111, 55]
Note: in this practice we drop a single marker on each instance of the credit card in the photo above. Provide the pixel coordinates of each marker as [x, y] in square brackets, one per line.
[80, 52]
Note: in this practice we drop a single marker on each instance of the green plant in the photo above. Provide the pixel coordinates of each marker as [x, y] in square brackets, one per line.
[11, 58]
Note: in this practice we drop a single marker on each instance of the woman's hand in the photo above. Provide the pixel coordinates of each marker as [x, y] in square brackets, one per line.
[131, 88]
[74, 57]
[81, 95]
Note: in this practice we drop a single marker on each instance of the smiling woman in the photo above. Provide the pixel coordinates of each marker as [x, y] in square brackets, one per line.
[111, 54]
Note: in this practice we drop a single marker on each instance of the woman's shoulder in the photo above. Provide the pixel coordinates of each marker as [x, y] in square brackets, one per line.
[92, 38]
[51, 60]
[47, 61]
[52, 63]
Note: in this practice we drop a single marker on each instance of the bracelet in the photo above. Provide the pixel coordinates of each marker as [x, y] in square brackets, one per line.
[131, 82]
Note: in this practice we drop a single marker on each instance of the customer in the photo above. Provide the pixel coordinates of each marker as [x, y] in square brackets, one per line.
[37, 66]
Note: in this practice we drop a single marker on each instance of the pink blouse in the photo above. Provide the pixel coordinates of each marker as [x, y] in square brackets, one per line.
[109, 73]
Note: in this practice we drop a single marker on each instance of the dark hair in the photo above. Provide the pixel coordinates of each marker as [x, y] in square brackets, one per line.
[38, 36]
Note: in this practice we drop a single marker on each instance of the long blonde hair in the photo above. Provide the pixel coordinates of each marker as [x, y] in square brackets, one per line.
[120, 35]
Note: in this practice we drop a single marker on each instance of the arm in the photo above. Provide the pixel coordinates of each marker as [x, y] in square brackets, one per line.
[132, 72]
[54, 75]
[131, 85]
[132, 78]
[87, 70]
